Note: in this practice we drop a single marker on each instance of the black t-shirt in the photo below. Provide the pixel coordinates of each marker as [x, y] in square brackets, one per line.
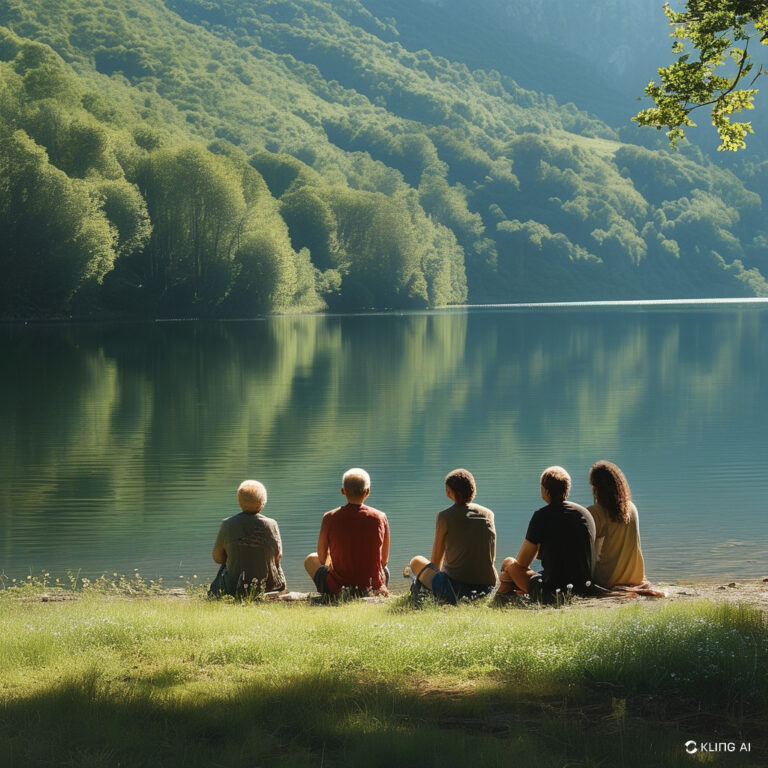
[565, 533]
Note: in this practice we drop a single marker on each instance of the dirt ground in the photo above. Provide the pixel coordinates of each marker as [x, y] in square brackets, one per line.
[748, 591]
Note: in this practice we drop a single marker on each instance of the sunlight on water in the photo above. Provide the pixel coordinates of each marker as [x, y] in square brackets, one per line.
[121, 446]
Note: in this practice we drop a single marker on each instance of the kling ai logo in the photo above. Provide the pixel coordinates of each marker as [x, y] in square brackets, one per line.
[692, 747]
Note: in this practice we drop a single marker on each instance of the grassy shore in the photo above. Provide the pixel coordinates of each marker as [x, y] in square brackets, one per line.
[95, 679]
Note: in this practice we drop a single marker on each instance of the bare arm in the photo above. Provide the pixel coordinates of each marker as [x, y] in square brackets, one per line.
[527, 553]
[279, 542]
[385, 545]
[323, 547]
[219, 554]
[438, 548]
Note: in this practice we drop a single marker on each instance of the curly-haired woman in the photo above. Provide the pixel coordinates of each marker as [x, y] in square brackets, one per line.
[617, 535]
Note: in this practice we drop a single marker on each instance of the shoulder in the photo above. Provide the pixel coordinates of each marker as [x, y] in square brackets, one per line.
[572, 506]
[373, 512]
[270, 522]
[330, 518]
[479, 509]
[230, 527]
[539, 525]
[331, 513]
[583, 515]
[541, 518]
[597, 511]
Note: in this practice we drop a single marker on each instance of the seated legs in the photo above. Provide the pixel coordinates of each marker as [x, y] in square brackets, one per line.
[421, 571]
[311, 564]
[514, 577]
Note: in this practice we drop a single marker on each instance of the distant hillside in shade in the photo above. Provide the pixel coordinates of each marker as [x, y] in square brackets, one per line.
[215, 157]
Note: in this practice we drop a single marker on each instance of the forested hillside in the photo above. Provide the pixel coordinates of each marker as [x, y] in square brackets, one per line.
[217, 157]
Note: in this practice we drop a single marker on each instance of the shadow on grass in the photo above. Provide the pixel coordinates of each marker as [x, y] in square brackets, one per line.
[325, 721]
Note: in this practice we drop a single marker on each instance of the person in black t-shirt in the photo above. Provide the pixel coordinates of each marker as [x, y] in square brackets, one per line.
[562, 536]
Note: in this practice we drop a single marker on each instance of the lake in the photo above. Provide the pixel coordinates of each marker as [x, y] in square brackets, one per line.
[122, 445]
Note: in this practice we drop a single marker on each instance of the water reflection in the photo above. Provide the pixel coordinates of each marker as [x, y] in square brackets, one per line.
[121, 445]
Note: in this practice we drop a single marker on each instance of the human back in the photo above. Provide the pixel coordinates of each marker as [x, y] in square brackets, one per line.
[464, 547]
[353, 543]
[252, 541]
[470, 543]
[617, 530]
[562, 535]
[565, 534]
[248, 547]
[356, 534]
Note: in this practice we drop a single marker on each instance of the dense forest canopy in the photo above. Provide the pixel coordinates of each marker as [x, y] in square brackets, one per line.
[223, 158]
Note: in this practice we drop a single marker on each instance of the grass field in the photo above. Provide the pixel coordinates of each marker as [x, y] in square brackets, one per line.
[108, 680]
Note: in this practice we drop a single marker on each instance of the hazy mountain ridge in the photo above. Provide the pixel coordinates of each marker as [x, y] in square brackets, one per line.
[600, 55]
[411, 170]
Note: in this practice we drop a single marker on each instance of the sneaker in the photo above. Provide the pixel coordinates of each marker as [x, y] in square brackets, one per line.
[417, 593]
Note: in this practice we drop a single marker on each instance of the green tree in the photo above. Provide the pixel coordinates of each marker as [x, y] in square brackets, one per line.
[196, 204]
[127, 212]
[712, 44]
[311, 224]
[73, 144]
[56, 235]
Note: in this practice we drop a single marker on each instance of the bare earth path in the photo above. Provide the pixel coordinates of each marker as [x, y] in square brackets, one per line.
[747, 591]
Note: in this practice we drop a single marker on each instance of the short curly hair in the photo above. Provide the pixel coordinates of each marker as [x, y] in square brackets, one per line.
[461, 482]
[556, 482]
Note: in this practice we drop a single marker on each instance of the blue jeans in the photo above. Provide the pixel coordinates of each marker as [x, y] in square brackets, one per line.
[448, 590]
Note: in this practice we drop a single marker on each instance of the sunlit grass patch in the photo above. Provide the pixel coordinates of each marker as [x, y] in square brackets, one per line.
[297, 684]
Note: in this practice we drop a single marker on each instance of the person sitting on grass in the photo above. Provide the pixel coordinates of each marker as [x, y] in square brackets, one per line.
[562, 536]
[248, 547]
[464, 549]
[353, 545]
[617, 536]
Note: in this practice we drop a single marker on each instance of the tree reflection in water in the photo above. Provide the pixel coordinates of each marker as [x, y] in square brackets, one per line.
[121, 445]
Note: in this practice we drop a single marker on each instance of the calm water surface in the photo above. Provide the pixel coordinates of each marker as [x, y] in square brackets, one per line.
[121, 446]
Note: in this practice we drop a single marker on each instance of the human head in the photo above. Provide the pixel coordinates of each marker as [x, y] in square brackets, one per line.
[251, 496]
[355, 485]
[556, 482]
[611, 489]
[462, 484]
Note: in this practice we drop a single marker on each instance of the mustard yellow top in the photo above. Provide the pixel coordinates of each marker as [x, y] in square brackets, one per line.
[617, 545]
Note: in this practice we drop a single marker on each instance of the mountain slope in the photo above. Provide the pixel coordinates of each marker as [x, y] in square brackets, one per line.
[380, 175]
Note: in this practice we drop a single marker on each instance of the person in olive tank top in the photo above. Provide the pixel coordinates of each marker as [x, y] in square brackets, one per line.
[464, 549]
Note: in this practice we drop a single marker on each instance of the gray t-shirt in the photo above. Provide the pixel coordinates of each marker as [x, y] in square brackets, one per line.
[252, 543]
[470, 544]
